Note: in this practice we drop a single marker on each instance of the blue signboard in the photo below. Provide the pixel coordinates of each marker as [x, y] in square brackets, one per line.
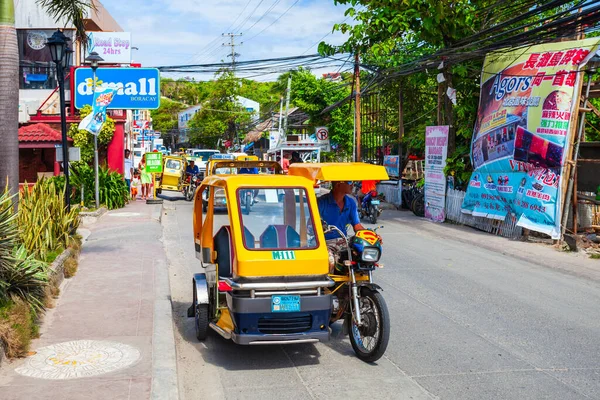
[138, 88]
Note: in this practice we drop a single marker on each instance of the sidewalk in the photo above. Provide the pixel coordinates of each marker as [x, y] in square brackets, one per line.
[110, 335]
[543, 255]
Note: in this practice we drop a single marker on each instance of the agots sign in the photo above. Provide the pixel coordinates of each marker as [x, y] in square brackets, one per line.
[138, 88]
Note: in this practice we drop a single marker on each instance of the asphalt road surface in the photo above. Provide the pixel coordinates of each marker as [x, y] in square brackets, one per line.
[467, 323]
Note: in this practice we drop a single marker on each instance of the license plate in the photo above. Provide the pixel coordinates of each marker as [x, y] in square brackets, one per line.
[376, 202]
[285, 303]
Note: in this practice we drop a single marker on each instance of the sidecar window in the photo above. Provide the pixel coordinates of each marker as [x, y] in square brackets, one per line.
[278, 219]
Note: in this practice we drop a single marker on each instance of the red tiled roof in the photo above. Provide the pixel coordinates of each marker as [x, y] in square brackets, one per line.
[39, 133]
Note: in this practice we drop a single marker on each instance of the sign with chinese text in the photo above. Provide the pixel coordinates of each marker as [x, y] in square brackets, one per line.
[154, 162]
[113, 47]
[137, 88]
[522, 133]
[436, 151]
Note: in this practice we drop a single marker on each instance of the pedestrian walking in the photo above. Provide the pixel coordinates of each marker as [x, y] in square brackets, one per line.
[146, 179]
[128, 171]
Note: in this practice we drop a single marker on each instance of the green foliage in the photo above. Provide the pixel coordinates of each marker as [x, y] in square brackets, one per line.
[26, 279]
[458, 165]
[9, 233]
[313, 95]
[113, 192]
[43, 220]
[221, 114]
[85, 140]
[164, 119]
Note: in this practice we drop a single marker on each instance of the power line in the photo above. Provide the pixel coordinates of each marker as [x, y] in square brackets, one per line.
[278, 18]
[232, 45]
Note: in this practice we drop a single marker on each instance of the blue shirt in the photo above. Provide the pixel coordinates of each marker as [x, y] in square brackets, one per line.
[249, 170]
[331, 213]
[190, 170]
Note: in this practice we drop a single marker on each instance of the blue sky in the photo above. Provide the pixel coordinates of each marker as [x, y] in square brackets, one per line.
[175, 32]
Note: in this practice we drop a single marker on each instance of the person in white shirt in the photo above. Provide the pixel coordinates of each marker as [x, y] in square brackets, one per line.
[128, 172]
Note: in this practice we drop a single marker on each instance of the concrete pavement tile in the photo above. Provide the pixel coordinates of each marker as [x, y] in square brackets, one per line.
[585, 380]
[510, 385]
[269, 390]
[88, 389]
[397, 388]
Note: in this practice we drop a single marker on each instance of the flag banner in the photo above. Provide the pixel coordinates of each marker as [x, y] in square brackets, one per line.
[523, 132]
[94, 121]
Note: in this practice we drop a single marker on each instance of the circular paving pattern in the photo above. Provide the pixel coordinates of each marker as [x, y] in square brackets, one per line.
[79, 359]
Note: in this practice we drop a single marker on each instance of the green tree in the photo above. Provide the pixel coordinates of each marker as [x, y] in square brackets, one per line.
[164, 119]
[221, 115]
[85, 140]
[73, 11]
[312, 95]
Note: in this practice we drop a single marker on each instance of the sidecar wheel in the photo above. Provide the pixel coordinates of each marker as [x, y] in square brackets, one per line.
[371, 340]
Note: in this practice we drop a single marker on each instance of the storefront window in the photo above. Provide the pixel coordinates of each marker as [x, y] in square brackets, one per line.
[36, 69]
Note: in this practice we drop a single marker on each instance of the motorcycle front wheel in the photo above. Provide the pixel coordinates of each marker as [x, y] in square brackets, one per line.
[370, 340]
[189, 194]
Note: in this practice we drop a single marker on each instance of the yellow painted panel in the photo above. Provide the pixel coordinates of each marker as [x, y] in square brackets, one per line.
[339, 171]
[225, 321]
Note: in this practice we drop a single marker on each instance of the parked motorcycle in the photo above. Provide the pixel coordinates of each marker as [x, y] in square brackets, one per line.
[356, 299]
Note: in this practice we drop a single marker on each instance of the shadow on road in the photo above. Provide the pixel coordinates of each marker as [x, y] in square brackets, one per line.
[224, 353]
[171, 197]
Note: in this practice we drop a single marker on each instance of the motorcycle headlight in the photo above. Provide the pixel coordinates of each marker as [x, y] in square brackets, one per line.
[371, 254]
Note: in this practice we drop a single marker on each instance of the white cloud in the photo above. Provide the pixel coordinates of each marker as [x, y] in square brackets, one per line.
[176, 32]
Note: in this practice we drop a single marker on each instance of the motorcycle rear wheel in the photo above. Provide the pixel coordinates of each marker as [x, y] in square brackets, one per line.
[370, 340]
[374, 214]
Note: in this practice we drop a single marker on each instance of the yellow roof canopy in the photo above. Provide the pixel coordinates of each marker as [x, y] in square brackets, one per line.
[339, 171]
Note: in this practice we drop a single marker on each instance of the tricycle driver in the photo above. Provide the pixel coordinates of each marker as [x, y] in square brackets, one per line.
[339, 209]
[192, 169]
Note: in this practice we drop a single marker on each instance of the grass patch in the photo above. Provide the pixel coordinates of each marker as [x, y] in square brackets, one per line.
[53, 255]
[595, 256]
[70, 266]
[17, 327]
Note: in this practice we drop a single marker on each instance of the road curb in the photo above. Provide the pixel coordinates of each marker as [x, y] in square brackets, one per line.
[164, 359]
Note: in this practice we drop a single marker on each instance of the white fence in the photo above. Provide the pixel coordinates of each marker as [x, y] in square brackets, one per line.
[507, 228]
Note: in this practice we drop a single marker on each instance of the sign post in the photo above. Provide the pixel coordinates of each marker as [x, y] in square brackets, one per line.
[154, 166]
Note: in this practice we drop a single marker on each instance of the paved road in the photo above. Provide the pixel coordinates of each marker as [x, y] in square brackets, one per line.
[467, 323]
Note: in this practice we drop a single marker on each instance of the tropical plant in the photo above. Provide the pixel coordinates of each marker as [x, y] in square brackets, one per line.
[8, 232]
[25, 279]
[70, 11]
[44, 222]
[113, 191]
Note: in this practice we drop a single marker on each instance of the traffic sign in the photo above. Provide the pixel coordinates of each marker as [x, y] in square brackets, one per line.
[322, 134]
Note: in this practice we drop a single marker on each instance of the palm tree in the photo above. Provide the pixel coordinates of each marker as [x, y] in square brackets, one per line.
[72, 11]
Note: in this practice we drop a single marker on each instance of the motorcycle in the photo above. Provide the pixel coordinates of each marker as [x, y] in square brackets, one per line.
[247, 201]
[355, 298]
[190, 189]
[369, 207]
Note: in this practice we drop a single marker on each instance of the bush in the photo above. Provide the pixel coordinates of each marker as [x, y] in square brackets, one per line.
[113, 191]
[45, 225]
[17, 327]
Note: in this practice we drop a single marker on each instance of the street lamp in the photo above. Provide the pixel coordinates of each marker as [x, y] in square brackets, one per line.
[93, 59]
[60, 53]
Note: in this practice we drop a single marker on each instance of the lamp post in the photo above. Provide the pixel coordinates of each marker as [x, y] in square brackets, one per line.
[61, 56]
[94, 59]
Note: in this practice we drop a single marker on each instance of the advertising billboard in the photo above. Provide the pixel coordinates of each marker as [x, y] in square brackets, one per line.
[113, 47]
[523, 130]
[137, 88]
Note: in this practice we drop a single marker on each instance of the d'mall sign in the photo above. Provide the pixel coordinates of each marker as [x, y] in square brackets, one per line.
[139, 87]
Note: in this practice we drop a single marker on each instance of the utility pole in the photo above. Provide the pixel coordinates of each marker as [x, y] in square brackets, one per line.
[280, 115]
[357, 103]
[232, 44]
[287, 105]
